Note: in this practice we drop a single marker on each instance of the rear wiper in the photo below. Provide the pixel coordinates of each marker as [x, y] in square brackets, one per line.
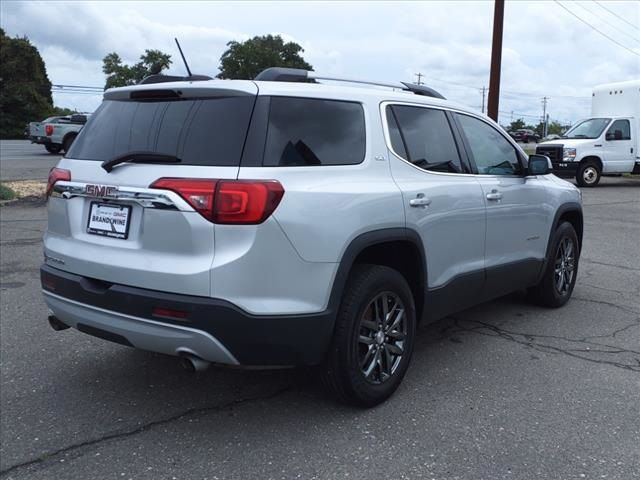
[139, 157]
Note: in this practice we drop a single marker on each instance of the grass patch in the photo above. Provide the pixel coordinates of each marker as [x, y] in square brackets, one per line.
[6, 193]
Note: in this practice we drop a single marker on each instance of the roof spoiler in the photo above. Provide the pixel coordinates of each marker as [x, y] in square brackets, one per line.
[278, 74]
[159, 78]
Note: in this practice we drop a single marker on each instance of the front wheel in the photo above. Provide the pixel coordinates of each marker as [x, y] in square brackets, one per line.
[373, 338]
[588, 174]
[559, 278]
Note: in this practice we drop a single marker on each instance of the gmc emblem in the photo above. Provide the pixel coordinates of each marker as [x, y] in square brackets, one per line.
[99, 190]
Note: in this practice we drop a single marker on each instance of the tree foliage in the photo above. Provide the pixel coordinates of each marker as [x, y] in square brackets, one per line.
[245, 60]
[25, 89]
[120, 74]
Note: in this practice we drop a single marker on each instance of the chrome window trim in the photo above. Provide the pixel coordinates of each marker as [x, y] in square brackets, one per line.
[387, 136]
[146, 197]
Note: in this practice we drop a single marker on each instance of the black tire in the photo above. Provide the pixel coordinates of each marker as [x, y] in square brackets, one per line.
[354, 341]
[588, 174]
[66, 144]
[53, 147]
[551, 291]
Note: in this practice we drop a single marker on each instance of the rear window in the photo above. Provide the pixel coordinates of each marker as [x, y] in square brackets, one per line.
[310, 132]
[198, 131]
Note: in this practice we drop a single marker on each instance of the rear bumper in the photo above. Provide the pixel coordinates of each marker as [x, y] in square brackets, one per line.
[213, 329]
[41, 140]
[565, 169]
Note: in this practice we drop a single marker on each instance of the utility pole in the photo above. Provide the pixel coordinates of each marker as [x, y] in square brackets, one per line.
[544, 116]
[484, 91]
[419, 75]
[496, 59]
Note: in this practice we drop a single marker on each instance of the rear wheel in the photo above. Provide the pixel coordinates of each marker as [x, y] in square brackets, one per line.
[373, 339]
[53, 147]
[588, 174]
[66, 144]
[559, 278]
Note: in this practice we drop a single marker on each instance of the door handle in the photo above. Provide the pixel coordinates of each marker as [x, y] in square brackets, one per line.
[420, 201]
[494, 195]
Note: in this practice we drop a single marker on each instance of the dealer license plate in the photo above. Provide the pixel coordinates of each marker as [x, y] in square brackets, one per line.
[109, 220]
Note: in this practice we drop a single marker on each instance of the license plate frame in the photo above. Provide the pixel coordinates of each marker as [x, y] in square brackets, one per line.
[116, 230]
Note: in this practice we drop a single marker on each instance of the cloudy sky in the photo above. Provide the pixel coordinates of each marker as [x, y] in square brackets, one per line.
[547, 51]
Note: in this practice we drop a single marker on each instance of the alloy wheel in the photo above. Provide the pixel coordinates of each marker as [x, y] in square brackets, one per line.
[381, 340]
[564, 267]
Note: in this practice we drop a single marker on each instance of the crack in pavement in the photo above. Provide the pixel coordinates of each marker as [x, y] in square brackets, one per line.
[22, 242]
[577, 348]
[46, 458]
[608, 304]
[623, 267]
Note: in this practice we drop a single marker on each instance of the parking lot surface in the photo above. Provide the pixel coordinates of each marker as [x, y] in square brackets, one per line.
[23, 160]
[504, 390]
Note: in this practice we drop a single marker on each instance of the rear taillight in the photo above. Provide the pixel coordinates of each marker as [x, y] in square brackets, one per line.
[197, 192]
[48, 130]
[246, 202]
[56, 174]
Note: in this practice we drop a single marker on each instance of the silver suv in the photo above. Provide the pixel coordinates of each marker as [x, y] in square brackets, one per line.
[293, 220]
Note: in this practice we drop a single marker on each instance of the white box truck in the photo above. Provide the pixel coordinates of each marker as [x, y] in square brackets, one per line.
[604, 144]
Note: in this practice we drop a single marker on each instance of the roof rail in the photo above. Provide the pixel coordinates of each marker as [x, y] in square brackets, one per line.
[159, 78]
[277, 74]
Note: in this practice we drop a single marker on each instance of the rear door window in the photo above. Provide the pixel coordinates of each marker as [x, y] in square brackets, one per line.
[311, 132]
[208, 131]
[423, 137]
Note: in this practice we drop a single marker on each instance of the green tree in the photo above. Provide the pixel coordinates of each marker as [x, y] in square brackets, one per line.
[517, 125]
[245, 60]
[556, 128]
[120, 75]
[25, 89]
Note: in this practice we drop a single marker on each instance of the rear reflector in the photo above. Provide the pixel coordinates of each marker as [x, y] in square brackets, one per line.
[55, 175]
[170, 313]
[232, 202]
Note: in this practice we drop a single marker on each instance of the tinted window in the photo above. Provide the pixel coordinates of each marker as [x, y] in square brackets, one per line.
[424, 138]
[492, 153]
[200, 132]
[619, 130]
[307, 132]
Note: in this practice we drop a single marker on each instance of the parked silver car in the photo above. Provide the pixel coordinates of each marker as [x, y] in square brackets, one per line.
[284, 222]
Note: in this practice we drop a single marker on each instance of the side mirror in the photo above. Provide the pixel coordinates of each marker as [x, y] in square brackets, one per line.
[539, 165]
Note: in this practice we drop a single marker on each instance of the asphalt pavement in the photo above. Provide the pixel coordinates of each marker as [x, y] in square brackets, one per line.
[505, 390]
[23, 160]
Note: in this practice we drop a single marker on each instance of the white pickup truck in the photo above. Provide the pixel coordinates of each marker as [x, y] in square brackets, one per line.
[604, 144]
[57, 133]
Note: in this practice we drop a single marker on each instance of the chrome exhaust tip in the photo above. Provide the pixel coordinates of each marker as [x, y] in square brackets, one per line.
[192, 364]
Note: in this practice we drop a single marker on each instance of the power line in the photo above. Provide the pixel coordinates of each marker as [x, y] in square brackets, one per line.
[616, 15]
[599, 31]
[617, 27]
[77, 86]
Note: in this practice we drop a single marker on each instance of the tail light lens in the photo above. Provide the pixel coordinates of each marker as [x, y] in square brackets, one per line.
[197, 192]
[246, 202]
[56, 174]
[236, 202]
[48, 130]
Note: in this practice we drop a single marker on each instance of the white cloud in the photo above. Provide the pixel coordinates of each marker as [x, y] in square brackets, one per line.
[547, 52]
